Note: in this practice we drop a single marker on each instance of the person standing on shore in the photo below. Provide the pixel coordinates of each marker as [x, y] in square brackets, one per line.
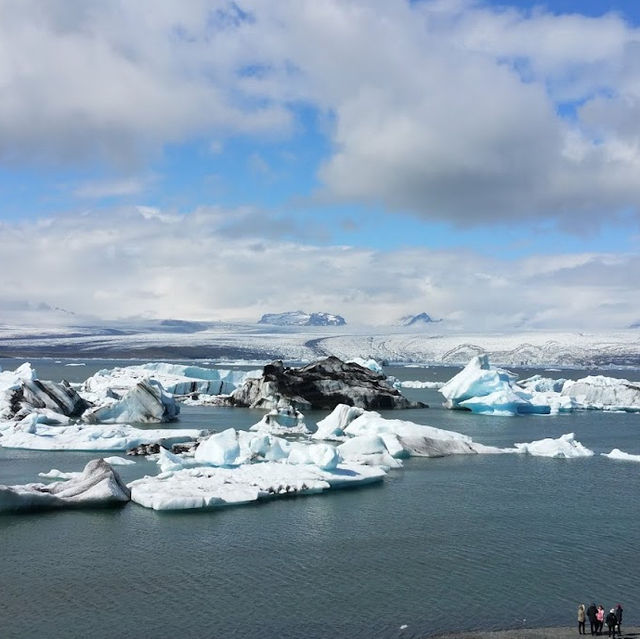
[581, 618]
[619, 618]
[612, 622]
[600, 619]
[592, 611]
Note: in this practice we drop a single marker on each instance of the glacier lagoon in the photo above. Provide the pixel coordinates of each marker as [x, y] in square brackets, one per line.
[487, 541]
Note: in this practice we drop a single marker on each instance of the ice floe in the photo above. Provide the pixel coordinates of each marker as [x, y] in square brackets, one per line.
[92, 437]
[206, 487]
[564, 446]
[414, 383]
[620, 455]
[97, 485]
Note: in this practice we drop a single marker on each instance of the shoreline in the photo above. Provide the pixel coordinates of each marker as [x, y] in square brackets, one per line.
[631, 632]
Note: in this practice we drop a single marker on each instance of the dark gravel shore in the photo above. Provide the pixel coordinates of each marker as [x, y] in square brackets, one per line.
[537, 633]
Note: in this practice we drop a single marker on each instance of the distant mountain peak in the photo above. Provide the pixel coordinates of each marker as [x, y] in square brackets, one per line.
[300, 318]
[412, 320]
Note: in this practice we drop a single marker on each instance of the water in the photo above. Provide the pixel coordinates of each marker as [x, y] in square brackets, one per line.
[443, 545]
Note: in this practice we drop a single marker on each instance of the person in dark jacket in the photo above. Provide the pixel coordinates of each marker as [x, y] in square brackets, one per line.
[592, 611]
[612, 622]
[619, 618]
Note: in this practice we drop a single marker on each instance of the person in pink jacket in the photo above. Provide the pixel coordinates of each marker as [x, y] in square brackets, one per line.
[600, 618]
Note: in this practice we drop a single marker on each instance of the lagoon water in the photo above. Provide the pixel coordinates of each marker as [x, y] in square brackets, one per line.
[487, 541]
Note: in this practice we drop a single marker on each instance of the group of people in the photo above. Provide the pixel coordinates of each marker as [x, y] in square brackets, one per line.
[597, 618]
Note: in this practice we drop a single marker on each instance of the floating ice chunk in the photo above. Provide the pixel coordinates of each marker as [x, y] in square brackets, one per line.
[333, 425]
[174, 378]
[610, 393]
[504, 402]
[169, 461]
[540, 384]
[478, 378]
[207, 487]
[284, 419]
[97, 485]
[146, 402]
[392, 438]
[371, 450]
[54, 473]
[93, 438]
[564, 446]
[620, 455]
[219, 449]
[409, 383]
[321, 455]
[119, 461]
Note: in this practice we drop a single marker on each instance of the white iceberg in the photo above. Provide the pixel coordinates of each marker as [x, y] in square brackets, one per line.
[145, 403]
[477, 379]
[119, 461]
[620, 455]
[54, 473]
[333, 425]
[97, 485]
[370, 438]
[93, 438]
[413, 383]
[174, 378]
[540, 384]
[608, 393]
[564, 447]
[206, 487]
[284, 419]
[505, 402]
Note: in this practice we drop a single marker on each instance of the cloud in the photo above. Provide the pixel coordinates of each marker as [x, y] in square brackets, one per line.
[133, 261]
[110, 188]
[452, 111]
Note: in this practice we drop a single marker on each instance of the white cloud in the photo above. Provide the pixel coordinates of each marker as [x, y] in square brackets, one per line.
[134, 261]
[450, 110]
[110, 188]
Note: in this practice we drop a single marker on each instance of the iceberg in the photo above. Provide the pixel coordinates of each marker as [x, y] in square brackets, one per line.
[505, 402]
[333, 425]
[284, 419]
[206, 487]
[540, 384]
[412, 383]
[119, 461]
[370, 438]
[22, 393]
[564, 447]
[608, 393]
[146, 402]
[174, 378]
[477, 379]
[97, 485]
[620, 455]
[93, 438]
[54, 473]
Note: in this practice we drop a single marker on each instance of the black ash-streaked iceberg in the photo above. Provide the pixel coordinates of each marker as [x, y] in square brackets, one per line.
[98, 485]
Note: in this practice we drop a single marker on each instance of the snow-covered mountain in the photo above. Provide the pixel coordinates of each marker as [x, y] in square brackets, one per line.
[300, 318]
[416, 320]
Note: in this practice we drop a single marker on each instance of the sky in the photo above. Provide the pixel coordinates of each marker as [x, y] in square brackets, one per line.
[476, 160]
